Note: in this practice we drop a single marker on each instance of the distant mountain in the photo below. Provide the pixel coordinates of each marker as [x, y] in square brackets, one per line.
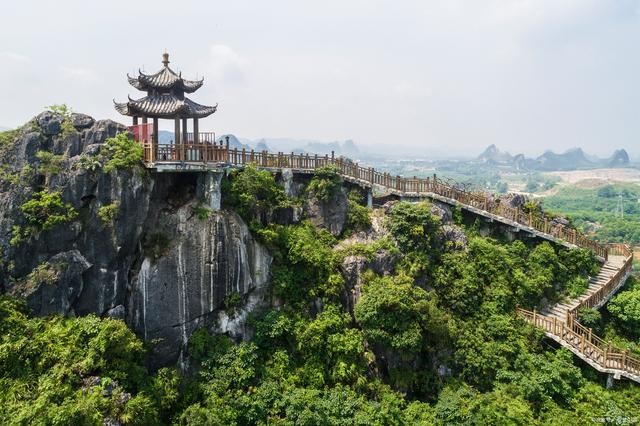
[493, 155]
[570, 160]
[262, 146]
[619, 158]
[4, 129]
[234, 142]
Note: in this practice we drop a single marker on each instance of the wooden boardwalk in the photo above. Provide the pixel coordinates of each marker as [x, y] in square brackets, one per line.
[559, 322]
[202, 157]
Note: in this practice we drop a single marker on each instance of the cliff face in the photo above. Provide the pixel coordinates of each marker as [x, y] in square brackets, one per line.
[154, 264]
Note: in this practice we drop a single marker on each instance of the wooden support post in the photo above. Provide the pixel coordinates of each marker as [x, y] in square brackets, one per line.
[135, 120]
[154, 147]
[333, 156]
[555, 320]
[176, 131]
[185, 139]
[227, 147]
[144, 120]
[196, 130]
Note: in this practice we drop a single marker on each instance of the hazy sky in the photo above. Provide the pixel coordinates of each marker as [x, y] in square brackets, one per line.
[527, 75]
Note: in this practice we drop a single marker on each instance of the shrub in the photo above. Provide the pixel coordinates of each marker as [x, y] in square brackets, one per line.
[121, 153]
[357, 217]
[253, 193]
[201, 211]
[325, 182]
[108, 213]
[44, 211]
[89, 163]
[49, 163]
[232, 302]
[625, 308]
[65, 112]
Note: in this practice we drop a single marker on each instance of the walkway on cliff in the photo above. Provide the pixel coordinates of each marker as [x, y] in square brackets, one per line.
[559, 321]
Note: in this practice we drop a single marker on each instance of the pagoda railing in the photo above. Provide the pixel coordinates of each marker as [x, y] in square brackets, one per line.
[207, 151]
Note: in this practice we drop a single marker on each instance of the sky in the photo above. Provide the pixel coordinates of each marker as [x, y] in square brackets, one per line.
[419, 76]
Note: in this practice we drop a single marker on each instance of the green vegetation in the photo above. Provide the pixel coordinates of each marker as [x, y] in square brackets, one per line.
[41, 213]
[325, 182]
[625, 309]
[433, 341]
[201, 211]
[65, 112]
[254, 194]
[594, 210]
[108, 213]
[121, 153]
[49, 164]
[75, 371]
[89, 163]
[357, 215]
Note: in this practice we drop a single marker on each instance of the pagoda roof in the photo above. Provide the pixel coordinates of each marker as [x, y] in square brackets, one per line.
[164, 106]
[164, 79]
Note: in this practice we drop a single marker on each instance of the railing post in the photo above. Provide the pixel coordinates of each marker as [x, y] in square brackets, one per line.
[555, 320]
[534, 316]
[624, 359]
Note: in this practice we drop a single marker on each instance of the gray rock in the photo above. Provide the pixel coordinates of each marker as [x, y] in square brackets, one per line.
[69, 146]
[331, 214]
[442, 212]
[514, 200]
[101, 130]
[560, 221]
[81, 121]
[185, 288]
[453, 237]
[58, 297]
[353, 266]
[117, 312]
[50, 123]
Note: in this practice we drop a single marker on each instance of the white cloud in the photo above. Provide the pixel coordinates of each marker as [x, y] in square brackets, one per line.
[226, 65]
[80, 74]
[14, 57]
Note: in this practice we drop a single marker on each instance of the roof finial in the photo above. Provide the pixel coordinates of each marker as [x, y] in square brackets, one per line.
[165, 59]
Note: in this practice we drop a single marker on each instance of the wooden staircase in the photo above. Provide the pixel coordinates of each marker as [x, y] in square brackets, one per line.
[560, 321]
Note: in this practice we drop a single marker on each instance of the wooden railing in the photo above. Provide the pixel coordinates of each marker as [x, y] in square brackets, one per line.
[597, 298]
[414, 186]
[570, 332]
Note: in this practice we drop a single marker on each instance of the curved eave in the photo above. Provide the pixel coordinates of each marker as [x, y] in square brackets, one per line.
[164, 107]
[164, 79]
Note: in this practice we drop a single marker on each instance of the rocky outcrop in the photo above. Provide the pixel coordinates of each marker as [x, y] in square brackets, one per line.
[330, 214]
[352, 267]
[155, 265]
[188, 283]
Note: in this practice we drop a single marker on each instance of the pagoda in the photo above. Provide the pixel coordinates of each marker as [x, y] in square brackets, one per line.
[166, 100]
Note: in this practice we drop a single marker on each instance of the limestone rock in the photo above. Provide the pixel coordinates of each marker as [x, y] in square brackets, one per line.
[453, 237]
[81, 121]
[331, 214]
[50, 123]
[441, 211]
[58, 297]
[185, 287]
